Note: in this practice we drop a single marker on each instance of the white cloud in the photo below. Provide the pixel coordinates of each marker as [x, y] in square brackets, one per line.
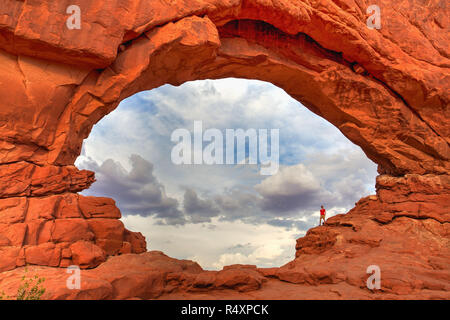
[214, 247]
[289, 181]
[136, 191]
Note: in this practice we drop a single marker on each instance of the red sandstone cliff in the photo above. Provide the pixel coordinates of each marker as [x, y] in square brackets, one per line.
[387, 90]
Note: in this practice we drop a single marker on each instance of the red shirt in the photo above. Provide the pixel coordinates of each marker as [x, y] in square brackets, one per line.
[322, 212]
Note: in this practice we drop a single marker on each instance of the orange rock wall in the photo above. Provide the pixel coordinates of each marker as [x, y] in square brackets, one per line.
[386, 90]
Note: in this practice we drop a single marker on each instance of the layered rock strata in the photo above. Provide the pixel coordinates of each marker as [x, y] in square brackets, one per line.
[387, 90]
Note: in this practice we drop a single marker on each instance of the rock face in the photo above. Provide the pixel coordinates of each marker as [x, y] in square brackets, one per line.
[387, 90]
[61, 230]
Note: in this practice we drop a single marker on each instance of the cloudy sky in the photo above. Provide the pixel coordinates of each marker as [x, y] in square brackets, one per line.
[223, 214]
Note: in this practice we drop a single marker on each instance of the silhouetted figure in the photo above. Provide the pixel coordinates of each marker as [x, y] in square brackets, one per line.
[322, 215]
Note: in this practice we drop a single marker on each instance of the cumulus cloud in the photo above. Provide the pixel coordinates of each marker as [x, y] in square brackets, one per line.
[347, 174]
[260, 255]
[291, 223]
[287, 199]
[239, 204]
[199, 210]
[263, 245]
[293, 187]
[137, 191]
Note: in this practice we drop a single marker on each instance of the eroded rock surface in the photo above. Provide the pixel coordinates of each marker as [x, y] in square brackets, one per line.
[387, 90]
[62, 230]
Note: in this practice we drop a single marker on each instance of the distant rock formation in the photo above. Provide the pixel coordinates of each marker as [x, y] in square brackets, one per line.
[387, 90]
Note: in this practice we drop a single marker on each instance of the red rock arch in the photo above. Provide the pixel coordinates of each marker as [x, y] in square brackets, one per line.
[386, 94]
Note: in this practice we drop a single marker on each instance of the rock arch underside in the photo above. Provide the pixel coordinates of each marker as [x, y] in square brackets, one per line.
[387, 90]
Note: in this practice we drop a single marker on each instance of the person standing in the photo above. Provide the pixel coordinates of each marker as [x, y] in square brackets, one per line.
[322, 215]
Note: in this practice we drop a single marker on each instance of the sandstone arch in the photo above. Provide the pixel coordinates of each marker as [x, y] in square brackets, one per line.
[386, 94]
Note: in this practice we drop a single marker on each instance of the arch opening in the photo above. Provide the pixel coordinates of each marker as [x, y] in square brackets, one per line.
[222, 214]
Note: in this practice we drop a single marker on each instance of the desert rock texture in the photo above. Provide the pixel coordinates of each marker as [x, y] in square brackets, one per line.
[386, 89]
